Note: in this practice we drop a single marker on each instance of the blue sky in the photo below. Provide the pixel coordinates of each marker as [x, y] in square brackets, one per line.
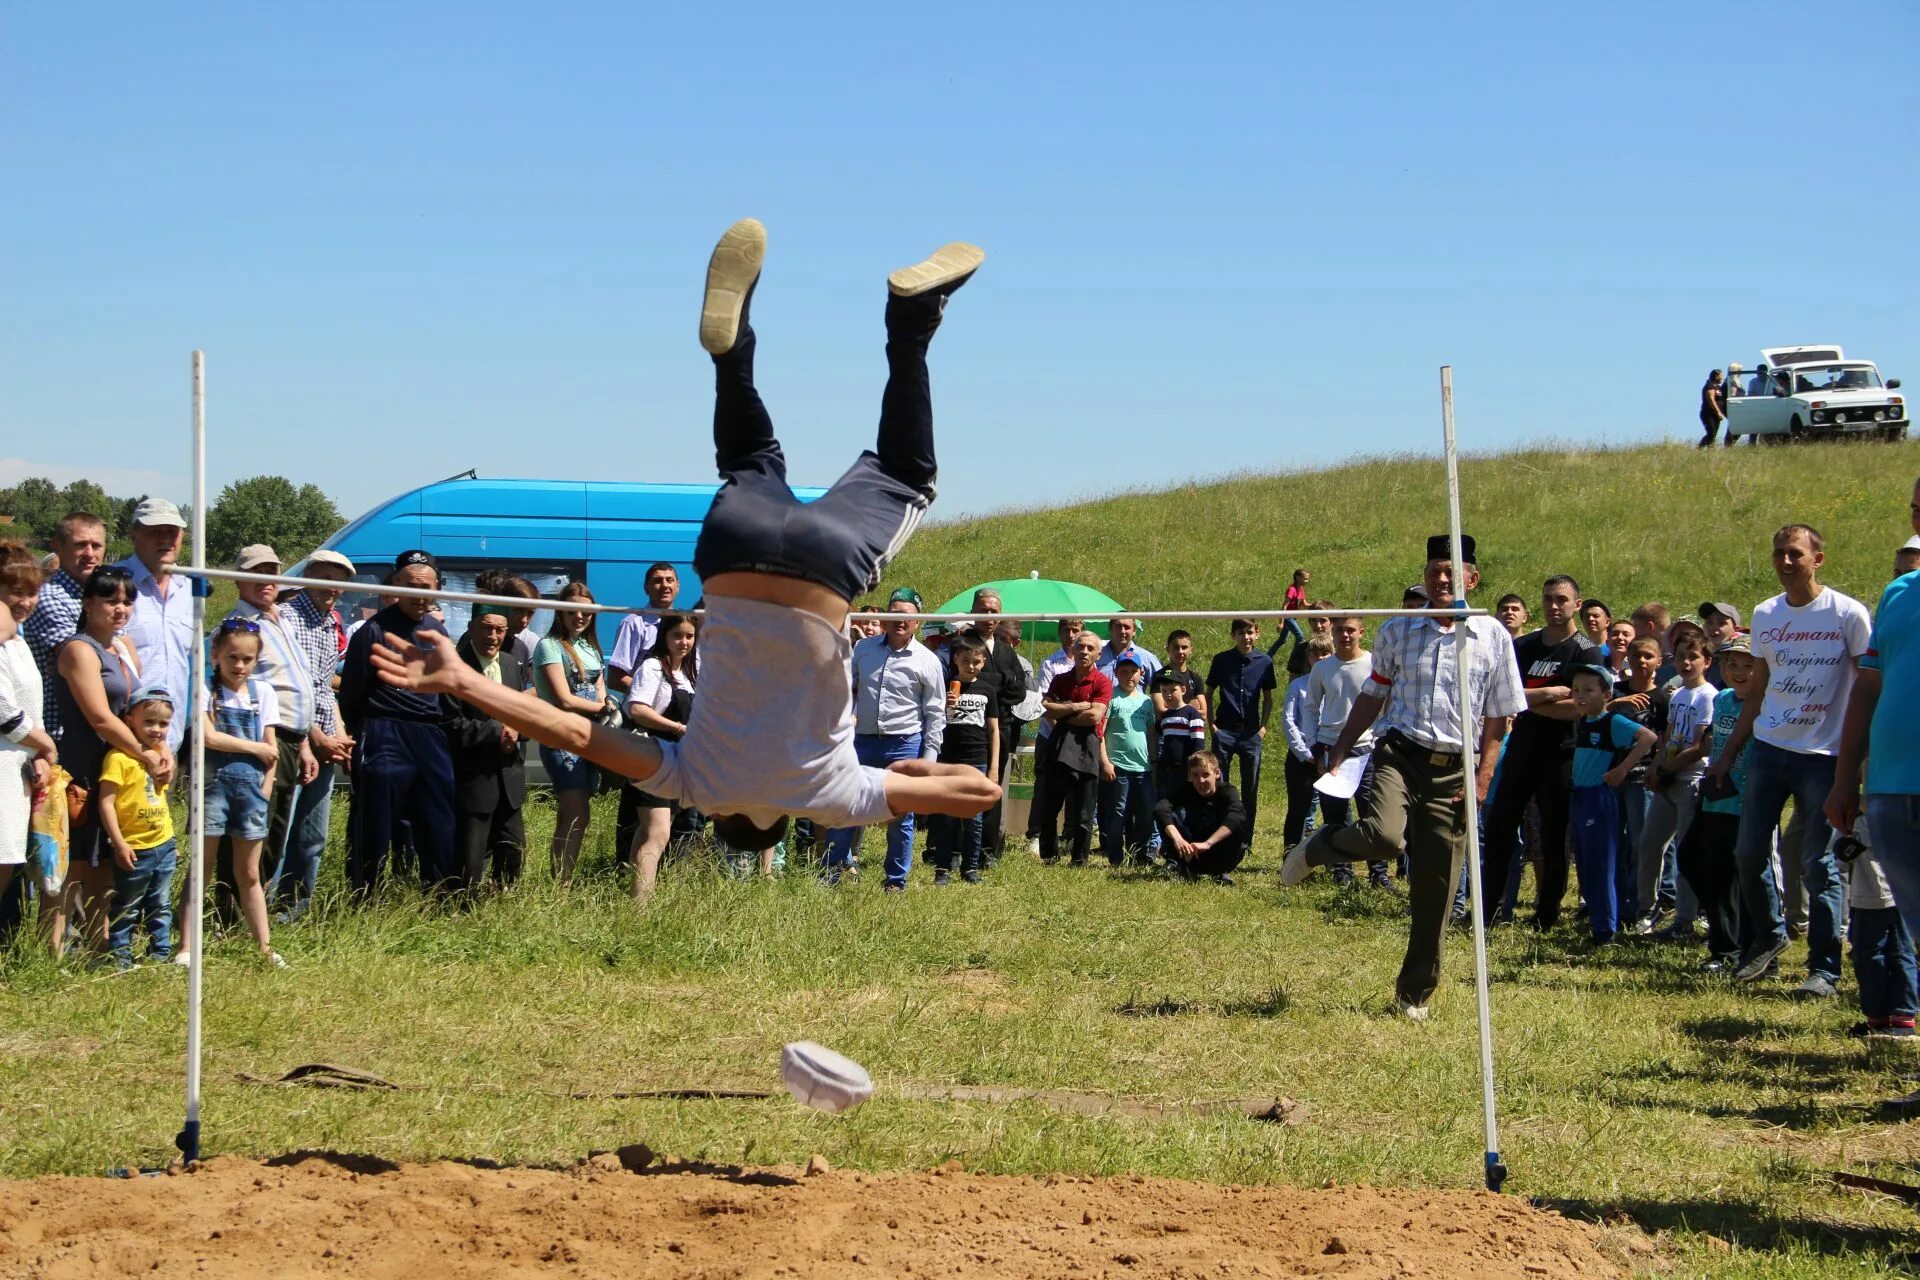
[418, 238]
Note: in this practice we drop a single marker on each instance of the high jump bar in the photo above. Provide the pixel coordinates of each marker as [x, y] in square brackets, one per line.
[581, 606]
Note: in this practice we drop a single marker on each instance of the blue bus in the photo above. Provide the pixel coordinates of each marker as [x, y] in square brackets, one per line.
[550, 532]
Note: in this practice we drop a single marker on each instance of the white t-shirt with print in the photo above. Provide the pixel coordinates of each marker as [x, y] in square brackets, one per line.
[1688, 712]
[1810, 653]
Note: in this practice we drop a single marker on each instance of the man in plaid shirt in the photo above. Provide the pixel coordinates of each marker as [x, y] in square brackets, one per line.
[1413, 796]
[309, 619]
[80, 542]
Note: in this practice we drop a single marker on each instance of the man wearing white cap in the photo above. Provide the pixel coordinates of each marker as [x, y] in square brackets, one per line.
[310, 618]
[161, 628]
[1907, 558]
[284, 665]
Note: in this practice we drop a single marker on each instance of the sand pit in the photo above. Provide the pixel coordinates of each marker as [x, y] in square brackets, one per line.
[327, 1215]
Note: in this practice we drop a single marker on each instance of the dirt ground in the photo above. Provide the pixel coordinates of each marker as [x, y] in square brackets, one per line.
[320, 1214]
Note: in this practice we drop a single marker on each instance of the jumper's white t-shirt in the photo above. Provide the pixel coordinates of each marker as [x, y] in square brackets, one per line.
[772, 727]
[1810, 653]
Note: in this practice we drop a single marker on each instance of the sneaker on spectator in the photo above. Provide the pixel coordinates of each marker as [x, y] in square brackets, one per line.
[1410, 1011]
[1818, 986]
[1755, 966]
[1720, 966]
[1644, 927]
[1033, 845]
[1906, 1105]
[182, 959]
[1894, 1031]
[275, 960]
[971, 877]
[942, 876]
[891, 887]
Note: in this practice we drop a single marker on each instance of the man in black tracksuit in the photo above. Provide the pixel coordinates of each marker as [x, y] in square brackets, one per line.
[489, 764]
[402, 769]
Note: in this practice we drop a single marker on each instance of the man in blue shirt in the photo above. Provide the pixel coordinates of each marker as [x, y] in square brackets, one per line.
[1244, 680]
[1881, 729]
[1120, 633]
[900, 713]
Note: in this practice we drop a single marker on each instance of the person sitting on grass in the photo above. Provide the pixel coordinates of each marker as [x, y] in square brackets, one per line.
[771, 734]
[1600, 769]
[136, 821]
[1204, 827]
[241, 757]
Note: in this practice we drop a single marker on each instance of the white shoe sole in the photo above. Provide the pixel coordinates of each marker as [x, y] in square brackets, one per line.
[731, 271]
[1413, 1012]
[1295, 870]
[949, 263]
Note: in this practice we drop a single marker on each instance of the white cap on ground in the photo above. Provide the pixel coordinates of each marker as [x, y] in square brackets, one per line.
[823, 1079]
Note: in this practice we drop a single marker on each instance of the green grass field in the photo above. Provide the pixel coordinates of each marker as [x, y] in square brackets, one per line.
[1628, 1084]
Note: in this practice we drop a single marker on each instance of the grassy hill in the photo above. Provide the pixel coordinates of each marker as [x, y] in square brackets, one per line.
[1662, 522]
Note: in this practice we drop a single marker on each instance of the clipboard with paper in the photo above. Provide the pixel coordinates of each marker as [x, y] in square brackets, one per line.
[1344, 782]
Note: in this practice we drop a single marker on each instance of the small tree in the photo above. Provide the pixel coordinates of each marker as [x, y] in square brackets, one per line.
[293, 521]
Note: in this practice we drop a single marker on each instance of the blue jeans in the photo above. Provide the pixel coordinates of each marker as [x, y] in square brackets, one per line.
[1883, 964]
[1773, 776]
[949, 837]
[144, 896]
[1894, 821]
[877, 751]
[299, 870]
[1126, 814]
[1247, 748]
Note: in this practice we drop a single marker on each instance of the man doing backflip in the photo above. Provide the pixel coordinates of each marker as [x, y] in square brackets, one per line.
[771, 735]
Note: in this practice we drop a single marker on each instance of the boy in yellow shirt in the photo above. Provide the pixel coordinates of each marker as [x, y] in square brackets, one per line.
[137, 823]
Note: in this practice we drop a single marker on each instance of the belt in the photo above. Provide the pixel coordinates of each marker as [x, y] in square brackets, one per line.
[1436, 759]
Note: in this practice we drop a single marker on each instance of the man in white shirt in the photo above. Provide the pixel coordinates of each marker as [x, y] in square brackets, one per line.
[1413, 796]
[899, 713]
[1807, 644]
[771, 733]
[1332, 686]
[1054, 664]
[161, 628]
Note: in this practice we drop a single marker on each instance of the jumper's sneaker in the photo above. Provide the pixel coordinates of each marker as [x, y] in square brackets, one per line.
[1295, 870]
[1410, 1011]
[732, 272]
[946, 270]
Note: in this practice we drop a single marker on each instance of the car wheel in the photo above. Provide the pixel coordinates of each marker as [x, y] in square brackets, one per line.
[1797, 430]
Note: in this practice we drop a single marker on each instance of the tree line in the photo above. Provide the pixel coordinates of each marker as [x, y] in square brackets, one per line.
[292, 519]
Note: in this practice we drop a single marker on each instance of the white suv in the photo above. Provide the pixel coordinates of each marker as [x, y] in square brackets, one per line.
[1801, 393]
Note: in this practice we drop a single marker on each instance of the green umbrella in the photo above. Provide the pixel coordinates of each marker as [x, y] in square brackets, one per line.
[1044, 595]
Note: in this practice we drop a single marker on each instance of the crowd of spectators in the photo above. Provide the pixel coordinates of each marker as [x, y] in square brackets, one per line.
[1651, 758]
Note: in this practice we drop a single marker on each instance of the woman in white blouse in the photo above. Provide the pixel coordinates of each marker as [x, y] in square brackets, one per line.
[660, 702]
[26, 751]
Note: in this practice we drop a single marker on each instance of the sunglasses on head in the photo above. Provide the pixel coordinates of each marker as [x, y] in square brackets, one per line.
[245, 626]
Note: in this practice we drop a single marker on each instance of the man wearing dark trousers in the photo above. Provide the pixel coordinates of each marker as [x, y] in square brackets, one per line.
[402, 770]
[1076, 702]
[1413, 797]
[1539, 761]
[1203, 824]
[489, 764]
[1240, 685]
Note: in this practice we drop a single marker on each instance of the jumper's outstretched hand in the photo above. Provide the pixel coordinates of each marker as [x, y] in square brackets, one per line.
[427, 664]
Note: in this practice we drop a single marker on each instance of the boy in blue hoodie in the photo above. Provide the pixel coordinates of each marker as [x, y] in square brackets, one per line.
[1599, 769]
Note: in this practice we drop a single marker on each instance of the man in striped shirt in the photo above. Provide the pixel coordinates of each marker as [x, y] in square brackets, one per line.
[309, 618]
[284, 665]
[80, 543]
[1413, 797]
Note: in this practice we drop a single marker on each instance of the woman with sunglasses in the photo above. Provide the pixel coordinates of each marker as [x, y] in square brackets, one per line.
[569, 673]
[26, 752]
[95, 673]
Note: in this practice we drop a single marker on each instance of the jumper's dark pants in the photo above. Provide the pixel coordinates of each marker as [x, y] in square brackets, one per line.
[1408, 803]
[844, 539]
[402, 770]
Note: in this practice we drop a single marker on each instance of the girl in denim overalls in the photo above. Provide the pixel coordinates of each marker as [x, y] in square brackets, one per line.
[238, 724]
